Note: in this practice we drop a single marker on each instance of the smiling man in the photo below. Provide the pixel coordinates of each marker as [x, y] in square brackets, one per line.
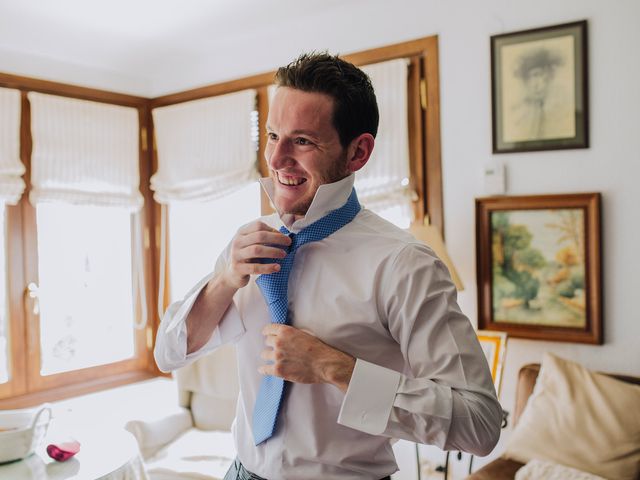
[347, 330]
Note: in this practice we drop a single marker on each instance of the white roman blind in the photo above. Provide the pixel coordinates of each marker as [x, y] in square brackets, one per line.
[383, 182]
[84, 152]
[206, 148]
[11, 168]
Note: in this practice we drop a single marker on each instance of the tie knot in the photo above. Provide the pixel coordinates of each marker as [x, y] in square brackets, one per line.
[295, 240]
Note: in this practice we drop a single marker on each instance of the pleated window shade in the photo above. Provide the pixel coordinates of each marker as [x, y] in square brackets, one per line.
[205, 148]
[383, 182]
[84, 153]
[11, 168]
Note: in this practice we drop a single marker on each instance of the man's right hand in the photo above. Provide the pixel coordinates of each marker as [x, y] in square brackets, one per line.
[252, 248]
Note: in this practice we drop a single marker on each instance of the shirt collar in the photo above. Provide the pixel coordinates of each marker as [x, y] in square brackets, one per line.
[328, 197]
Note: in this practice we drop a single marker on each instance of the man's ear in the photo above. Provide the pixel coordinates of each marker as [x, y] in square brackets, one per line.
[359, 151]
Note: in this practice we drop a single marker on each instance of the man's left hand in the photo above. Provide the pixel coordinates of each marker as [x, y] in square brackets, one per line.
[298, 356]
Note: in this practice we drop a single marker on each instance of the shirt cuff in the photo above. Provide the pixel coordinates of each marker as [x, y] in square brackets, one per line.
[369, 399]
[187, 303]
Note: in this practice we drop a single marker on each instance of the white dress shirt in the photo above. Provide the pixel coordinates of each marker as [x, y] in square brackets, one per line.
[373, 291]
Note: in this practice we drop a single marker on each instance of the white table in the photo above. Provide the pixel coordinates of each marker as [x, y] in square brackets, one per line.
[104, 454]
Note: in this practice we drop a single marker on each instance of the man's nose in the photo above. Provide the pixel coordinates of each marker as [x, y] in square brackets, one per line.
[279, 155]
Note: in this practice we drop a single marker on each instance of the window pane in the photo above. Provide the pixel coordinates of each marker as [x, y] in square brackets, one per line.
[4, 310]
[399, 214]
[198, 232]
[86, 294]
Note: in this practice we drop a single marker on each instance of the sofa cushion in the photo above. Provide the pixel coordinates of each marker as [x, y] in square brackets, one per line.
[211, 412]
[543, 470]
[153, 434]
[194, 455]
[580, 419]
[500, 469]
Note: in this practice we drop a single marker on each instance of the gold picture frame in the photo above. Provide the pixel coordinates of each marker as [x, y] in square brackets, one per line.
[539, 266]
[494, 345]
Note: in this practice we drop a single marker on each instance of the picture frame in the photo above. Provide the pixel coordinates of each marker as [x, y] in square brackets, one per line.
[539, 266]
[494, 346]
[539, 85]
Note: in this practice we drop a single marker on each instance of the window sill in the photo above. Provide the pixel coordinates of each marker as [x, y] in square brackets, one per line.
[69, 391]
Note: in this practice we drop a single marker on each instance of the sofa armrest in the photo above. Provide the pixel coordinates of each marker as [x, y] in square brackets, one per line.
[153, 435]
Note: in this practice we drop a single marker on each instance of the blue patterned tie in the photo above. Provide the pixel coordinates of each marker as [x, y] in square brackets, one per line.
[274, 289]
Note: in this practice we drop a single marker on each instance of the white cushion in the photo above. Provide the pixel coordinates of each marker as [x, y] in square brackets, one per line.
[194, 455]
[580, 419]
[543, 470]
[153, 434]
[212, 413]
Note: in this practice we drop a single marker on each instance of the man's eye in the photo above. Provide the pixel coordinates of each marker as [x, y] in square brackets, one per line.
[303, 141]
[272, 136]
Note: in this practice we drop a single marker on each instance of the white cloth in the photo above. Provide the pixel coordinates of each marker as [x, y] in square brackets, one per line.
[84, 152]
[373, 291]
[11, 167]
[537, 469]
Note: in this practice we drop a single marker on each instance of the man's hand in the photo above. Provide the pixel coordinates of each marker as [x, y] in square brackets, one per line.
[254, 241]
[300, 357]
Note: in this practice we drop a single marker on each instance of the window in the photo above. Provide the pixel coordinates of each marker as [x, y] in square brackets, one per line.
[383, 183]
[5, 354]
[63, 244]
[85, 299]
[206, 179]
[199, 231]
[72, 306]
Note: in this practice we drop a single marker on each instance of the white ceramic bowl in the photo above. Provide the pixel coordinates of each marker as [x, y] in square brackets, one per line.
[22, 431]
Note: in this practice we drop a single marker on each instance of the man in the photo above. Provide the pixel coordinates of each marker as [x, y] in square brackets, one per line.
[546, 109]
[375, 346]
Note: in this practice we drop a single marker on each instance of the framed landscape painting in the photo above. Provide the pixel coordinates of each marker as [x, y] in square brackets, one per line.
[540, 89]
[539, 266]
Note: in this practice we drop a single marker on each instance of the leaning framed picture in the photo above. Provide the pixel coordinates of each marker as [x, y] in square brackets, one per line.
[539, 83]
[539, 266]
[494, 345]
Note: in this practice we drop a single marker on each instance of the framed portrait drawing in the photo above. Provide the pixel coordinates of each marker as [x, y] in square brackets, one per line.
[539, 266]
[494, 345]
[540, 89]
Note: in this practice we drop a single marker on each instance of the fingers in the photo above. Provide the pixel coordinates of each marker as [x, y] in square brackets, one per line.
[275, 329]
[252, 252]
[267, 370]
[263, 237]
[256, 268]
[254, 227]
[268, 355]
[258, 240]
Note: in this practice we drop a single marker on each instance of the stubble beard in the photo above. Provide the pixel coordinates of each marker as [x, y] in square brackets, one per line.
[335, 174]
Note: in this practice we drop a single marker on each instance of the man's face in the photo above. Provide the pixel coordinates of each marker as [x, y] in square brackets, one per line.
[303, 148]
[537, 81]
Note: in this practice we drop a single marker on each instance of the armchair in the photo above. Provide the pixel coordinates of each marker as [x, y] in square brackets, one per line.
[194, 441]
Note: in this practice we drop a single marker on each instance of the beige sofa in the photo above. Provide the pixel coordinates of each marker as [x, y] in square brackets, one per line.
[194, 441]
[504, 468]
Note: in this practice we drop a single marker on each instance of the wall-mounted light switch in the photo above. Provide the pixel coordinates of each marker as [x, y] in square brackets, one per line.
[494, 179]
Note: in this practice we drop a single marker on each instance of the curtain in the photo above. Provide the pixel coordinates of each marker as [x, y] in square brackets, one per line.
[11, 168]
[206, 148]
[383, 182]
[84, 152]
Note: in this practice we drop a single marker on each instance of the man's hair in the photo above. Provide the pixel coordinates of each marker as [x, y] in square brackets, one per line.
[355, 108]
[538, 58]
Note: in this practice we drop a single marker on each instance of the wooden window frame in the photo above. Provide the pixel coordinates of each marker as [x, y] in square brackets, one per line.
[425, 181]
[26, 386]
[424, 116]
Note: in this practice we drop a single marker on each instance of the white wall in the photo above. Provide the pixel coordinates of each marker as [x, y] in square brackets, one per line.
[611, 165]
